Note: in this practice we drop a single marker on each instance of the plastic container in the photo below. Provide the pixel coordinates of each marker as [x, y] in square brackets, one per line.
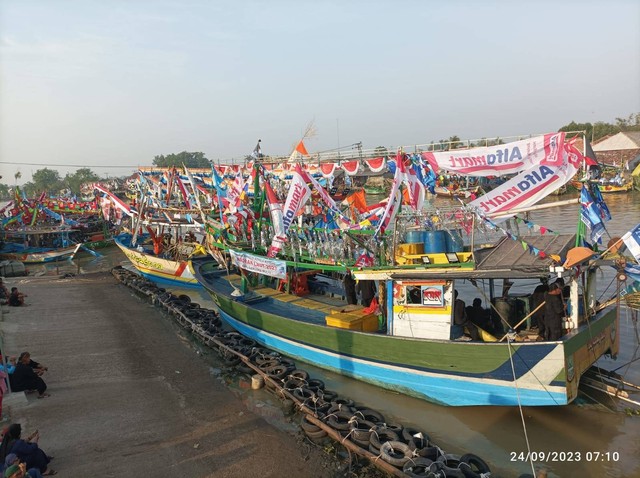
[413, 237]
[435, 241]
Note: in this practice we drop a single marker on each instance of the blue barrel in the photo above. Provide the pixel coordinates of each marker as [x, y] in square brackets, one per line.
[413, 237]
[455, 242]
[435, 241]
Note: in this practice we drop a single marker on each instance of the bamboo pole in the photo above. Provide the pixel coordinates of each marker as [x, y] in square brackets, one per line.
[522, 321]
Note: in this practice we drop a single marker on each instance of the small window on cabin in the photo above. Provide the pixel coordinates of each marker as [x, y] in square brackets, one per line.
[414, 295]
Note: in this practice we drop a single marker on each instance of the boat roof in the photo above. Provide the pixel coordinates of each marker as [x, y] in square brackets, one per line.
[507, 259]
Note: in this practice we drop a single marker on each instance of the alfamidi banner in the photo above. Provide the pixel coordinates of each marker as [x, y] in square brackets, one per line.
[500, 159]
[259, 264]
[530, 186]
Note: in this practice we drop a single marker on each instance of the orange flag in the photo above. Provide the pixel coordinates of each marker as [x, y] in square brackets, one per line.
[301, 149]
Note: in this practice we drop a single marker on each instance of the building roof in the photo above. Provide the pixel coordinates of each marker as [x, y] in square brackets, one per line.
[622, 141]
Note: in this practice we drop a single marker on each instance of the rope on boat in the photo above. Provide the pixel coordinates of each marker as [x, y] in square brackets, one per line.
[524, 425]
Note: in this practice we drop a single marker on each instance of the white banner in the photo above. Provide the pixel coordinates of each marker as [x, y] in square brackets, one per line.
[299, 194]
[259, 264]
[501, 159]
[530, 186]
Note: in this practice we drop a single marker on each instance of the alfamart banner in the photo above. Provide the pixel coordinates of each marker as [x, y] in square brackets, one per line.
[530, 186]
[260, 264]
[501, 159]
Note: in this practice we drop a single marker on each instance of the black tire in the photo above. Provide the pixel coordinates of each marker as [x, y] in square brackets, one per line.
[299, 374]
[303, 394]
[417, 467]
[361, 429]
[361, 443]
[276, 372]
[339, 420]
[315, 384]
[475, 464]
[267, 364]
[291, 383]
[438, 468]
[307, 426]
[430, 452]
[316, 435]
[370, 415]
[382, 435]
[450, 460]
[184, 298]
[395, 453]
[327, 395]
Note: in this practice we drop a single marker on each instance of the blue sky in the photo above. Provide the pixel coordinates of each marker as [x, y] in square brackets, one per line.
[117, 82]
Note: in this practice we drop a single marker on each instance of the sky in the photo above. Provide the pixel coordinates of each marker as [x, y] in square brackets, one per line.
[111, 84]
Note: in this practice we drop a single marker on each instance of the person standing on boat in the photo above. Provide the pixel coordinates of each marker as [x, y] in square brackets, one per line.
[367, 290]
[537, 298]
[553, 312]
[460, 320]
[350, 288]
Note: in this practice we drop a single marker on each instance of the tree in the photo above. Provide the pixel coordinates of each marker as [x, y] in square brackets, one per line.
[81, 176]
[190, 160]
[46, 180]
[5, 192]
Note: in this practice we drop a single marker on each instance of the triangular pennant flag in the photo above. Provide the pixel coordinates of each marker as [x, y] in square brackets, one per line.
[301, 149]
[543, 230]
[524, 245]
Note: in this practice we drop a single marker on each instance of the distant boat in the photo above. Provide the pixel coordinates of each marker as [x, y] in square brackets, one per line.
[608, 186]
[37, 246]
[463, 193]
[157, 269]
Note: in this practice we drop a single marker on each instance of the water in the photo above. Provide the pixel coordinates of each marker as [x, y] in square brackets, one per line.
[495, 432]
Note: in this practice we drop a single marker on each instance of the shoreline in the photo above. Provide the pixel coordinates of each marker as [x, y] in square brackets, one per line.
[128, 393]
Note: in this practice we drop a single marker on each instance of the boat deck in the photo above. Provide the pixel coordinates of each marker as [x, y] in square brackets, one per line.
[312, 308]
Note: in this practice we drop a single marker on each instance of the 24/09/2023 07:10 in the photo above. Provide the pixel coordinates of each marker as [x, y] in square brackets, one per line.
[551, 456]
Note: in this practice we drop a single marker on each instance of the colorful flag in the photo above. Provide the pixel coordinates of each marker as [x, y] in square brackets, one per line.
[301, 149]
[590, 215]
[600, 204]
[275, 210]
[632, 241]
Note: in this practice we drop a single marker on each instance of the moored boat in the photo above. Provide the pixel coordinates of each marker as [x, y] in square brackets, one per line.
[163, 270]
[39, 245]
[411, 351]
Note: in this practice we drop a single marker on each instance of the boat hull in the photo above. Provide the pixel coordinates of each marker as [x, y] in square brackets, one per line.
[445, 372]
[42, 257]
[158, 270]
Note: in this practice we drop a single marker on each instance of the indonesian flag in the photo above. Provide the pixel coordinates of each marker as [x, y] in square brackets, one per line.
[415, 189]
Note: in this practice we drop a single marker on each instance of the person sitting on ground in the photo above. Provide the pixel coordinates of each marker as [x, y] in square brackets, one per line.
[26, 378]
[14, 468]
[28, 450]
[4, 293]
[37, 367]
[16, 298]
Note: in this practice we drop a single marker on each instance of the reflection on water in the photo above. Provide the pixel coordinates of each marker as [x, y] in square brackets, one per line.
[495, 432]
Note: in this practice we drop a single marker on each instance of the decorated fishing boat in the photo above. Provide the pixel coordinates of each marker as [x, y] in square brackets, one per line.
[297, 295]
[456, 192]
[170, 269]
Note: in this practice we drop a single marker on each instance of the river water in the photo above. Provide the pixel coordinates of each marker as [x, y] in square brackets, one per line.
[604, 432]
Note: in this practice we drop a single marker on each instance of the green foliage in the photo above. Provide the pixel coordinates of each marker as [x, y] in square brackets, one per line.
[77, 179]
[6, 192]
[600, 129]
[190, 160]
[46, 180]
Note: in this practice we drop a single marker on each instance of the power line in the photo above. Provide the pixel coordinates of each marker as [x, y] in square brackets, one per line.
[70, 165]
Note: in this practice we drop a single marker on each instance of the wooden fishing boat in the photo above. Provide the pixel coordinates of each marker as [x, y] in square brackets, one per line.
[462, 193]
[407, 346]
[162, 270]
[609, 186]
[38, 245]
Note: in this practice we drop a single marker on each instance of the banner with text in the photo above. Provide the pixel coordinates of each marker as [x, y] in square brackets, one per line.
[530, 186]
[500, 159]
[259, 264]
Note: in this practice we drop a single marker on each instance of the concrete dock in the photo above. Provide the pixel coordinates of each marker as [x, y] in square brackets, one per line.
[130, 397]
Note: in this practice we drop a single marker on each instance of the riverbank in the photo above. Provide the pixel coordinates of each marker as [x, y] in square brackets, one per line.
[128, 394]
